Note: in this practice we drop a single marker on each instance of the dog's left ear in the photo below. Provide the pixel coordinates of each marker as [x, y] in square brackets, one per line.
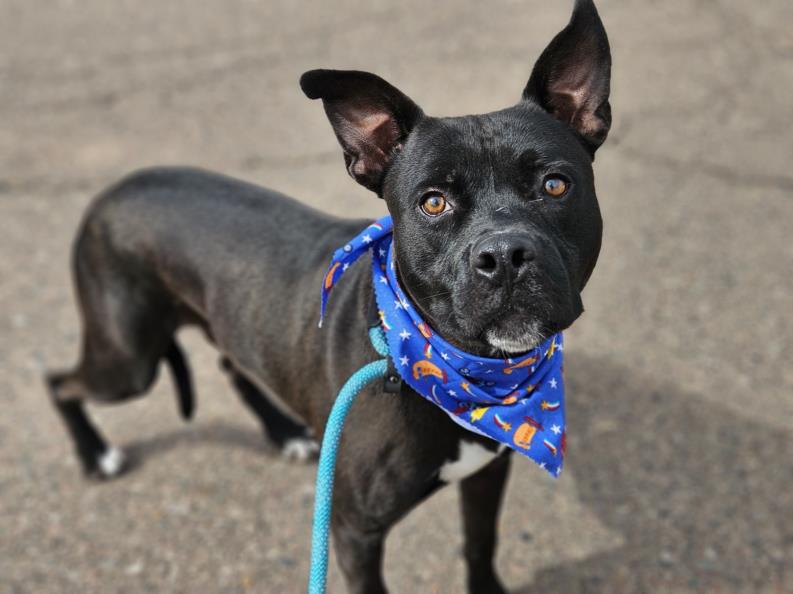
[571, 79]
[370, 117]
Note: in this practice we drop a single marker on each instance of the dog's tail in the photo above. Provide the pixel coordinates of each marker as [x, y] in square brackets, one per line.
[182, 379]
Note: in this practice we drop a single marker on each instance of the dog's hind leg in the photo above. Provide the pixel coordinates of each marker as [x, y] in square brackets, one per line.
[96, 458]
[128, 327]
[293, 438]
[104, 374]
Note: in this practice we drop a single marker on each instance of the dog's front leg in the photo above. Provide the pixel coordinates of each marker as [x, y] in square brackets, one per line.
[360, 554]
[480, 499]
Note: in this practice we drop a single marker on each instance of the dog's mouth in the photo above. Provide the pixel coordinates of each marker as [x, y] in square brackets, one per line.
[514, 329]
[513, 345]
[492, 326]
[504, 334]
[514, 334]
[517, 326]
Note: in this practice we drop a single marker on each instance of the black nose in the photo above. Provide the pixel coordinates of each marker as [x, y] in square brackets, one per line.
[502, 257]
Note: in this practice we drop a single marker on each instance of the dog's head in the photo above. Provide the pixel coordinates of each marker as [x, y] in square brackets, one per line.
[496, 223]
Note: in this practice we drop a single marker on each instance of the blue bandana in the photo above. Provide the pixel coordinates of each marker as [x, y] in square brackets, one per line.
[518, 402]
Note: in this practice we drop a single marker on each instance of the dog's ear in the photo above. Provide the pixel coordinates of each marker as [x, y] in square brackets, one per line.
[370, 117]
[571, 79]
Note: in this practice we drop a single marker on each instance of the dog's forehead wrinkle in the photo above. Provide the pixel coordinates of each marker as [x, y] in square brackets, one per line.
[487, 154]
[524, 125]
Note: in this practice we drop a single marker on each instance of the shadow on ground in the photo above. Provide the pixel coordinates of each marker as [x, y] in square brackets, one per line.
[218, 433]
[701, 496]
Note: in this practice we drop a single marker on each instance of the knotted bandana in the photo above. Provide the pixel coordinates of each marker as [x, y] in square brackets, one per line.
[518, 402]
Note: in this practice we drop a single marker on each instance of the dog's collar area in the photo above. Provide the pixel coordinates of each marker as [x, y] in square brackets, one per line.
[518, 401]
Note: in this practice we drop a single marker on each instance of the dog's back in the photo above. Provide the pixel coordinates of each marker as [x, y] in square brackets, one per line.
[167, 247]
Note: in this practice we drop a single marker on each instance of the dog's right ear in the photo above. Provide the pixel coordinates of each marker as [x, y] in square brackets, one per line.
[370, 117]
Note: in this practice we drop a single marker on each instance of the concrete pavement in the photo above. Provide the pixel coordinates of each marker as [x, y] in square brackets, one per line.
[680, 473]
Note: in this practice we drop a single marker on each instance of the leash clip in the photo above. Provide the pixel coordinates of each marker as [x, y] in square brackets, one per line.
[392, 383]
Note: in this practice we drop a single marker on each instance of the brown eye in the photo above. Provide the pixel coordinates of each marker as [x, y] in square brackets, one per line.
[555, 186]
[434, 204]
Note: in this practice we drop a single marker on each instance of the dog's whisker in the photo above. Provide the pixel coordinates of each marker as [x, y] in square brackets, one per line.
[428, 297]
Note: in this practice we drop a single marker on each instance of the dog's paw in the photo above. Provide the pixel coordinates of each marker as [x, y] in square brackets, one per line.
[110, 463]
[300, 449]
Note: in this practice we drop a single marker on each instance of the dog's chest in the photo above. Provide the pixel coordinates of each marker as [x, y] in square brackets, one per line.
[471, 457]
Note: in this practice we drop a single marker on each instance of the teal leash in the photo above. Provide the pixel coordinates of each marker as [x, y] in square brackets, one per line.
[323, 496]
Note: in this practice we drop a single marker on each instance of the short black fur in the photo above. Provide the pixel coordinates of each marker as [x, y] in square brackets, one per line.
[502, 267]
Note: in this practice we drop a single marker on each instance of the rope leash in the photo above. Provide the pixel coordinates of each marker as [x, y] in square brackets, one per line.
[323, 496]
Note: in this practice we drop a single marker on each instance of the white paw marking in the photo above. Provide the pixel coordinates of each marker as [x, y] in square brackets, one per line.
[300, 449]
[111, 461]
[472, 457]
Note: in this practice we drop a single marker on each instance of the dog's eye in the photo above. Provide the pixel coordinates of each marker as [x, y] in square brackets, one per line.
[434, 204]
[554, 186]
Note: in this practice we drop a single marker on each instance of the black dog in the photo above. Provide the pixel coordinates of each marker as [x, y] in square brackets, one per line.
[497, 230]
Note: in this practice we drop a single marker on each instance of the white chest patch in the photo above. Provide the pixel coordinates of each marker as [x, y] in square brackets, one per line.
[472, 457]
